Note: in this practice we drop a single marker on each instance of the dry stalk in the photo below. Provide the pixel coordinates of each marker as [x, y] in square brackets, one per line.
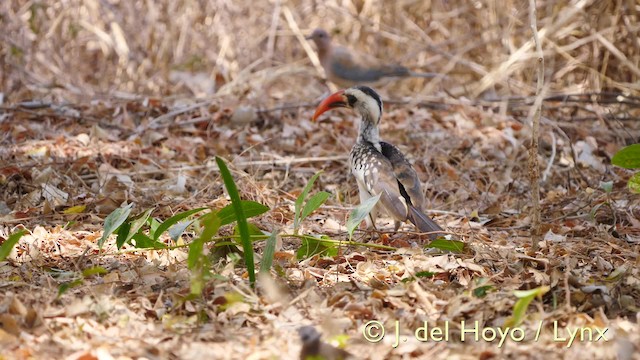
[534, 171]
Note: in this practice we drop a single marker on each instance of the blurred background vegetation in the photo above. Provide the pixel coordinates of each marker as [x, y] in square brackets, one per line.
[76, 50]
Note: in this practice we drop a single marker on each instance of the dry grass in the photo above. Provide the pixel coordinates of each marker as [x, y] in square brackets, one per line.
[91, 48]
[139, 95]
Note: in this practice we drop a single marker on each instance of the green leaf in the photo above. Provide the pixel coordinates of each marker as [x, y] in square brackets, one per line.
[195, 252]
[481, 291]
[78, 209]
[447, 245]
[520, 307]
[134, 227]
[313, 203]
[227, 214]
[68, 285]
[123, 234]
[311, 246]
[298, 204]
[113, 222]
[634, 183]
[178, 229]
[230, 299]
[145, 242]
[360, 213]
[481, 287]
[96, 270]
[174, 220]
[211, 224]
[618, 273]
[153, 225]
[247, 245]
[606, 186]
[269, 251]
[627, 157]
[253, 230]
[426, 274]
[7, 245]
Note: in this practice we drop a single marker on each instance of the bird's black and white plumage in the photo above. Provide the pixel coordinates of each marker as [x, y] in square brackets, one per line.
[379, 167]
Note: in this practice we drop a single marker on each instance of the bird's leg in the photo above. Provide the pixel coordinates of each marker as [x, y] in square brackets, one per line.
[371, 221]
[371, 224]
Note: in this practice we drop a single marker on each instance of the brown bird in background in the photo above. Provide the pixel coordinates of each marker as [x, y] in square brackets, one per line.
[347, 68]
[379, 167]
[315, 349]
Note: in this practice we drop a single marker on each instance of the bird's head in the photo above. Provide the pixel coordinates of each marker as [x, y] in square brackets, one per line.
[364, 100]
[321, 38]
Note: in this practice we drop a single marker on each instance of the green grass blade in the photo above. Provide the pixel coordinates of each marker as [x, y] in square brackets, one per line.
[174, 220]
[269, 251]
[247, 246]
[360, 213]
[7, 245]
[113, 221]
[313, 203]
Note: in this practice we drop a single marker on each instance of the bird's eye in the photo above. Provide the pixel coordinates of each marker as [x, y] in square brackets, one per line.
[351, 100]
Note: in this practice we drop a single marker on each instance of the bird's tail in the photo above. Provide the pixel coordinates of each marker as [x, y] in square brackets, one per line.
[425, 75]
[424, 222]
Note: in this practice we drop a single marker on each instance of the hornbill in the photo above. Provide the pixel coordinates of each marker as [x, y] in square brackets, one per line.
[379, 167]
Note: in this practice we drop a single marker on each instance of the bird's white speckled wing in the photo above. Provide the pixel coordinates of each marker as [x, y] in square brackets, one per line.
[375, 172]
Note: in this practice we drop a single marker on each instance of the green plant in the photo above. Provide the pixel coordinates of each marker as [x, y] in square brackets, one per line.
[629, 158]
[79, 278]
[7, 245]
[520, 307]
[453, 246]
[269, 251]
[360, 213]
[317, 244]
[197, 262]
[312, 204]
[142, 231]
[243, 228]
